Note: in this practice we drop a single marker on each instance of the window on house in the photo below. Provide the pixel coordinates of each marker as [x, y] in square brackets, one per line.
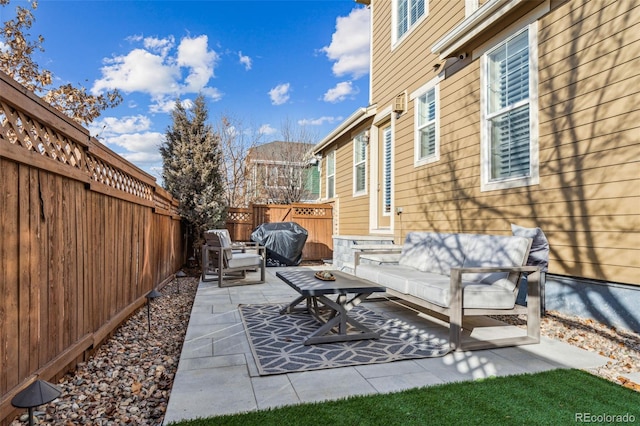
[360, 164]
[331, 173]
[426, 126]
[408, 13]
[272, 176]
[509, 137]
[386, 172]
[427, 123]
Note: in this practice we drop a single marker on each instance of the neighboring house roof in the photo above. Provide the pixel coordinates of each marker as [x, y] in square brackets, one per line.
[278, 150]
[353, 120]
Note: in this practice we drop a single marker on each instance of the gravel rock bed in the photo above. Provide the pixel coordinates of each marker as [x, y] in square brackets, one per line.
[622, 347]
[128, 380]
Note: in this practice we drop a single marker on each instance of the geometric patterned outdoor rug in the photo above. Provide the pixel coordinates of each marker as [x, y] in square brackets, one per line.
[277, 341]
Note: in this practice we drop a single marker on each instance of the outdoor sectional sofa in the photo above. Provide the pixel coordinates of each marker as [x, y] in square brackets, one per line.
[461, 275]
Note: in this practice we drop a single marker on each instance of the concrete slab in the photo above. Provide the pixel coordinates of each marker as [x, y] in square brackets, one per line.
[218, 375]
[208, 392]
[274, 391]
[321, 385]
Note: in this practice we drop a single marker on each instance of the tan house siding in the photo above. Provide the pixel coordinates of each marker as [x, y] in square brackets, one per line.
[590, 152]
[588, 197]
[408, 64]
[353, 216]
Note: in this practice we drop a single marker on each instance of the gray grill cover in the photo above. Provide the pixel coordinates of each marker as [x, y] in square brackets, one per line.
[284, 242]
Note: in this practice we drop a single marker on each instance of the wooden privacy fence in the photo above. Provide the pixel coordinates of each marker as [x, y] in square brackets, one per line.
[317, 219]
[84, 236]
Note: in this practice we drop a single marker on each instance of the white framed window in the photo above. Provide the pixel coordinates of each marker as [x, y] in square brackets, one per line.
[406, 15]
[509, 119]
[386, 170]
[427, 123]
[360, 164]
[331, 174]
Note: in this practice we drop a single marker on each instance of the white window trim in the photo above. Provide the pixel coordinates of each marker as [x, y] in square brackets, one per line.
[485, 136]
[432, 84]
[358, 193]
[382, 156]
[326, 194]
[382, 117]
[395, 40]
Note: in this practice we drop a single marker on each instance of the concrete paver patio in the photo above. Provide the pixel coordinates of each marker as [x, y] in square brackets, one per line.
[218, 375]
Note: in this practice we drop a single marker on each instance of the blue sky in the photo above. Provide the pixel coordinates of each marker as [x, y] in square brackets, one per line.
[261, 62]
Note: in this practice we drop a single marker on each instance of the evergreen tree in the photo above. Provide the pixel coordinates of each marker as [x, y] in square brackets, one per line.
[191, 157]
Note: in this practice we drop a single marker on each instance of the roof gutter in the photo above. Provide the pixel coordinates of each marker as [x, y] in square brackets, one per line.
[474, 24]
[353, 120]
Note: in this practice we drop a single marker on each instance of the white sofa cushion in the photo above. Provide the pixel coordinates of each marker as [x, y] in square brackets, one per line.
[437, 289]
[496, 251]
[433, 252]
[425, 266]
[395, 277]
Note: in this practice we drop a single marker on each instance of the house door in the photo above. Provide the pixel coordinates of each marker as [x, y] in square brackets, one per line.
[385, 173]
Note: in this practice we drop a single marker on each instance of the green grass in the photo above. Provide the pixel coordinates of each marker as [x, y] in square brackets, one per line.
[554, 397]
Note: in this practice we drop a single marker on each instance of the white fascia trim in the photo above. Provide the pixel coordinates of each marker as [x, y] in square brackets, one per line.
[353, 120]
[477, 22]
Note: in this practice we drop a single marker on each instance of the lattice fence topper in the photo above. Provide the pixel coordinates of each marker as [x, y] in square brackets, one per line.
[309, 211]
[102, 172]
[240, 216]
[22, 130]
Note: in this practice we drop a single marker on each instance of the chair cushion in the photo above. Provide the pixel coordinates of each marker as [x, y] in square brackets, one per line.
[220, 238]
[243, 260]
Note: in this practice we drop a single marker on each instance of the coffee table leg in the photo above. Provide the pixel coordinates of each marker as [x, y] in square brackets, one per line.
[340, 318]
[291, 307]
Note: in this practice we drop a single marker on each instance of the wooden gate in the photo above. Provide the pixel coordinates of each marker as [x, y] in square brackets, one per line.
[317, 219]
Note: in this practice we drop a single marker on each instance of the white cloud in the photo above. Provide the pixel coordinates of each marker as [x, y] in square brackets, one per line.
[318, 121]
[245, 60]
[340, 92]
[266, 129]
[138, 71]
[280, 94]
[349, 48]
[138, 143]
[131, 135]
[193, 53]
[142, 157]
[160, 45]
[158, 68]
[213, 93]
[163, 104]
[114, 125]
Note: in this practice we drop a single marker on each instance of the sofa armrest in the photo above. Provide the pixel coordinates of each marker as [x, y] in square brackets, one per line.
[532, 272]
[456, 305]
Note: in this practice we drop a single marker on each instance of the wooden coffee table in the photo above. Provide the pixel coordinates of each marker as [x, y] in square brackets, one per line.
[315, 293]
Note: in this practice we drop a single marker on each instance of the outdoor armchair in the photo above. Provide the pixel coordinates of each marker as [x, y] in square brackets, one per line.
[224, 259]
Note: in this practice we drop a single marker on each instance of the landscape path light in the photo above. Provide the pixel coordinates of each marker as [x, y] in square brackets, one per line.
[37, 393]
[180, 274]
[153, 294]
